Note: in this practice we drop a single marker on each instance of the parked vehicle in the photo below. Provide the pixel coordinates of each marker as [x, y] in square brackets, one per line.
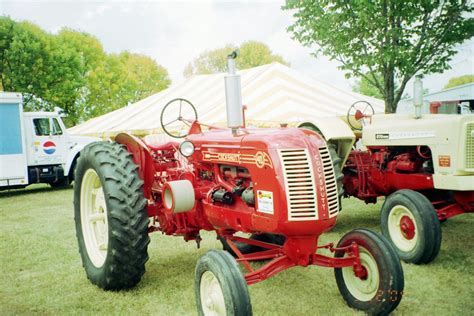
[35, 146]
[279, 182]
[422, 164]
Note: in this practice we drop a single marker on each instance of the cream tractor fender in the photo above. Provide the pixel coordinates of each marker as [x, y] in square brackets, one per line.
[336, 131]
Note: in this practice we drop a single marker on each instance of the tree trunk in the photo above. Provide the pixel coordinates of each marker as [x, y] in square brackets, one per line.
[389, 87]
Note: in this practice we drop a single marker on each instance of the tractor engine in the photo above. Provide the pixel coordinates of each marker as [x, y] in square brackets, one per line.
[382, 170]
[280, 182]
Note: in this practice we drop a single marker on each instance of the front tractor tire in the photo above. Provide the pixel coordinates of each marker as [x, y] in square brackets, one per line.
[410, 222]
[220, 287]
[380, 290]
[110, 216]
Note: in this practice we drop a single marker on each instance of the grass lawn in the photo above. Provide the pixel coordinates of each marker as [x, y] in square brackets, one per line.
[41, 270]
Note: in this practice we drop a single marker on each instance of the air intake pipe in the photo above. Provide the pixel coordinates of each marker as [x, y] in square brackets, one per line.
[233, 95]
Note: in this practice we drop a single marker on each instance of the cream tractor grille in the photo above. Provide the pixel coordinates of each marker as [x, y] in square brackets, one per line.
[470, 146]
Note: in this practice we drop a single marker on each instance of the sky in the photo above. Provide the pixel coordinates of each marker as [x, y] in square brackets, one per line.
[175, 32]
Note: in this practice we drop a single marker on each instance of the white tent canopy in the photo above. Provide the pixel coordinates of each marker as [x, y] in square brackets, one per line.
[273, 93]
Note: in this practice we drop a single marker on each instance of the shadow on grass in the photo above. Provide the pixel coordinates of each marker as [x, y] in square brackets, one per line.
[33, 189]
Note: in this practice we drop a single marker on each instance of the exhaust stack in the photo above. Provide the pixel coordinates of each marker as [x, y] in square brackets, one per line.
[418, 96]
[233, 95]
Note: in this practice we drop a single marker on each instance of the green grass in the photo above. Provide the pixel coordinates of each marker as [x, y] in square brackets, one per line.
[41, 271]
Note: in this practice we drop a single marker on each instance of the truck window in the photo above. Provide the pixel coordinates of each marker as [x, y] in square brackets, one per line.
[41, 126]
[56, 127]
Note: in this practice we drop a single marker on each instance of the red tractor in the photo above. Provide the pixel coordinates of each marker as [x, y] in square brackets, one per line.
[279, 185]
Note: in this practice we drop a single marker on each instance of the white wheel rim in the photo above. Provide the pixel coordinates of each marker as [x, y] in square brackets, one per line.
[395, 231]
[94, 218]
[363, 289]
[212, 297]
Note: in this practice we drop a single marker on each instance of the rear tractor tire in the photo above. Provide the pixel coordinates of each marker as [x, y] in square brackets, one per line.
[381, 290]
[110, 216]
[410, 222]
[220, 286]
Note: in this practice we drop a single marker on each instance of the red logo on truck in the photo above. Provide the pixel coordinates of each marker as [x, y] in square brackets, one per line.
[49, 147]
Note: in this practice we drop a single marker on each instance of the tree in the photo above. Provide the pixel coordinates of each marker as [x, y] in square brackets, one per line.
[122, 79]
[396, 39]
[252, 54]
[457, 81]
[71, 70]
[35, 63]
[364, 87]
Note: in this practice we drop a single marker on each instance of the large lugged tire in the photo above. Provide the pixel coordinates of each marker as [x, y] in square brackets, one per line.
[246, 248]
[220, 286]
[410, 222]
[111, 220]
[381, 290]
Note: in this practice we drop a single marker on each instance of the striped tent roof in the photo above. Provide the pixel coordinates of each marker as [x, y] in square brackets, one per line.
[273, 93]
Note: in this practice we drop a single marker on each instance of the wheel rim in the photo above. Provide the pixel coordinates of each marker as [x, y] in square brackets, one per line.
[363, 289]
[212, 297]
[94, 218]
[402, 228]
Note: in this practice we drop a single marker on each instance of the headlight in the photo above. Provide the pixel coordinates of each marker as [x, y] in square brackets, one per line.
[186, 148]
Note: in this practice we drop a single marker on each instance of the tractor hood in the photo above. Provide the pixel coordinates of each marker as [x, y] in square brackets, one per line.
[399, 130]
[258, 139]
[449, 137]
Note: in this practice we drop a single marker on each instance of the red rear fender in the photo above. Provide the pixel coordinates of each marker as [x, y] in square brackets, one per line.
[142, 157]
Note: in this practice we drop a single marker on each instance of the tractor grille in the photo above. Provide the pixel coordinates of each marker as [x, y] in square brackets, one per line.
[470, 146]
[299, 182]
[330, 180]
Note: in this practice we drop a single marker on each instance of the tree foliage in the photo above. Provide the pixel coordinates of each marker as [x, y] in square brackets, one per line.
[251, 54]
[458, 81]
[71, 70]
[363, 86]
[121, 79]
[394, 38]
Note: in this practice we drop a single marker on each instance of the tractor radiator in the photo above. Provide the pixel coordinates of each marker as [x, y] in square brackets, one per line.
[300, 185]
[330, 180]
[470, 146]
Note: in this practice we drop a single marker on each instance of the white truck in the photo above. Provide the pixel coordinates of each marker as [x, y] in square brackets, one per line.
[35, 146]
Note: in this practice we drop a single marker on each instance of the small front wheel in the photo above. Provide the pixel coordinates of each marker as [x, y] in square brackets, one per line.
[380, 289]
[220, 286]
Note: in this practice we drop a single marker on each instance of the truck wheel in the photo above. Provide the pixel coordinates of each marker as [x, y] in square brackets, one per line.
[220, 286]
[110, 216]
[60, 184]
[246, 248]
[379, 292]
[410, 222]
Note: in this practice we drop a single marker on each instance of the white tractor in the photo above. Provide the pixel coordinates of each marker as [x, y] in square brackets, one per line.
[423, 165]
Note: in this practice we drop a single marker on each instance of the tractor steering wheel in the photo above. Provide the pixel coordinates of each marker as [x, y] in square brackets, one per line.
[358, 112]
[172, 121]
